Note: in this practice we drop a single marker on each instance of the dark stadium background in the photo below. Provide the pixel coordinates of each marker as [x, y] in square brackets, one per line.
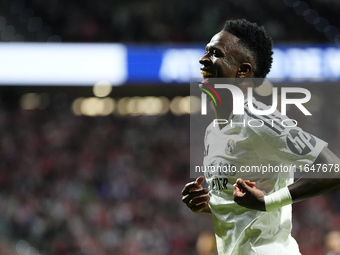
[73, 184]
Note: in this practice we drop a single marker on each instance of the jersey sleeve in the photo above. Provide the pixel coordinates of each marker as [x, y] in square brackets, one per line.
[287, 143]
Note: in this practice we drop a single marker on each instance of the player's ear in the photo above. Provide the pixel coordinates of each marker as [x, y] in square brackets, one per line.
[244, 70]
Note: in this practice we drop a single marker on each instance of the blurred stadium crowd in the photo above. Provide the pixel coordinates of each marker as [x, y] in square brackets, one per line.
[111, 185]
[155, 21]
[79, 185]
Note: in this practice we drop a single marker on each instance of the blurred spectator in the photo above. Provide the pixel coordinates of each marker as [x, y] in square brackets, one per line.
[206, 244]
[332, 243]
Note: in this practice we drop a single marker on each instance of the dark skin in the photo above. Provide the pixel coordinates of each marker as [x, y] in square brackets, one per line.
[195, 196]
[304, 188]
[224, 58]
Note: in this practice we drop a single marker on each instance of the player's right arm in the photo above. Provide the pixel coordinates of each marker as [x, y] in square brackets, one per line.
[195, 196]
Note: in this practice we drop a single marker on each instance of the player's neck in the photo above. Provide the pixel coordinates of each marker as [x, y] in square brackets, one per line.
[223, 112]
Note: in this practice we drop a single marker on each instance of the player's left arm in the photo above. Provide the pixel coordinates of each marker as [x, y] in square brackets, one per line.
[304, 188]
[309, 187]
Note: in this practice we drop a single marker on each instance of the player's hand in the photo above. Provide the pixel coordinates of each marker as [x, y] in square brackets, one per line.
[195, 196]
[247, 195]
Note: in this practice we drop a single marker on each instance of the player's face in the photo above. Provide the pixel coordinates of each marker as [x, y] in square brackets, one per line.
[221, 59]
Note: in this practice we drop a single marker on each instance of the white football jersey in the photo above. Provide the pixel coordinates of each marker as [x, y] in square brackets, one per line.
[251, 140]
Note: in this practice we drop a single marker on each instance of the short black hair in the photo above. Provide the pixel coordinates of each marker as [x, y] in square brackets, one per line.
[254, 39]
